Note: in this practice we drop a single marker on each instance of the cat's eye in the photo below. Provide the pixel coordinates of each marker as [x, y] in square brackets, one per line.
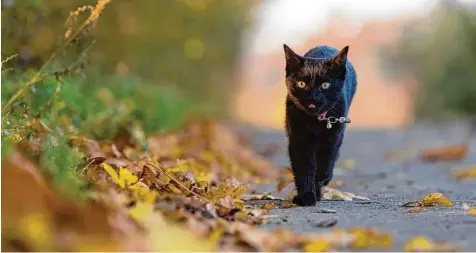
[325, 85]
[301, 84]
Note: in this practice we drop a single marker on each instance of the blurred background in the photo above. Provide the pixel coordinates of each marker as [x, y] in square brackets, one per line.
[414, 58]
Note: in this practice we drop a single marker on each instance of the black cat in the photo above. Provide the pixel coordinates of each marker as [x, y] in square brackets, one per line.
[321, 84]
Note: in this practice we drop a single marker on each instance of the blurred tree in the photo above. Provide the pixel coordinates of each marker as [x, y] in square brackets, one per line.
[440, 51]
[190, 43]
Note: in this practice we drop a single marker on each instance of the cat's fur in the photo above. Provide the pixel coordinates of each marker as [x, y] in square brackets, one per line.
[314, 149]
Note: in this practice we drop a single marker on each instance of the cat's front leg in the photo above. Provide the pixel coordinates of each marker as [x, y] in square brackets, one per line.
[327, 153]
[301, 153]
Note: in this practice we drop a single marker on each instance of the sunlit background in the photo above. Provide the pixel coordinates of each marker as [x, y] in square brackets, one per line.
[413, 57]
[426, 36]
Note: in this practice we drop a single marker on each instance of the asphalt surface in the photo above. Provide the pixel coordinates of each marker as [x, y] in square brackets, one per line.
[389, 183]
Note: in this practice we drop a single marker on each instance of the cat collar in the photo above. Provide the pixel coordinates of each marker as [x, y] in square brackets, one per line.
[333, 120]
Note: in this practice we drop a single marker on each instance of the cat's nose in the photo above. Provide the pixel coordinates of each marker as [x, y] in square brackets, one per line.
[311, 106]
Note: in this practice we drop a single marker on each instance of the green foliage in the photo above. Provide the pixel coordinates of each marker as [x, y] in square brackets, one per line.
[192, 44]
[62, 162]
[98, 109]
[441, 53]
[185, 50]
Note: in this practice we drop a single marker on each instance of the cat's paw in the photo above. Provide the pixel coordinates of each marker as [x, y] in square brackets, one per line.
[307, 199]
[319, 194]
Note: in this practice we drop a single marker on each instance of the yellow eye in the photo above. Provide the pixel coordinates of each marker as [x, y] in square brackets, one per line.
[301, 84]
[325, 85]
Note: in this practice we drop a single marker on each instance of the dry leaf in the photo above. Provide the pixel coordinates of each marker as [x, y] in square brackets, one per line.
[417, 209]
[283, 185]
[268, 206]
[291, 194]
[336, 184]
[327, 223]
[347, 164]
[469, 209]
[317, 246]
[370, 238]
[431, 199]
[324, 210]
[465, 174]
[265, 196]
[333, 194]
[288, 205]
[436, 198]
[452, 152]
[420, 243]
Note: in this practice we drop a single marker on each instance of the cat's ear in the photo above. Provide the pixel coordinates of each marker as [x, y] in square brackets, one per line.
[341, 57]
[293, 60]
[336, 64]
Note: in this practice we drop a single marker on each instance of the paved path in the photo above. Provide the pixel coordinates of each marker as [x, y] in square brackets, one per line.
[389, 183]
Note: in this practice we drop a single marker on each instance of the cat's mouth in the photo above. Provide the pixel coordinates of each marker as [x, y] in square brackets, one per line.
[314, 109]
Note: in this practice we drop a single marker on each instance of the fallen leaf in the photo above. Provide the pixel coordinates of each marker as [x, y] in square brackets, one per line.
[370, 238]
[431, 199]
[333, 194]
[317, 246]
[436, 198]
[413, 203]
[451, 152]
[325, 210]
[291, 195]
[416, 209]
[283, 185]
[336, 184]
[327, 223]
[465, 174]
[347, 164]
[265, 196]
[469, 209]
[421, 243]
[288, 205]
[268, 206]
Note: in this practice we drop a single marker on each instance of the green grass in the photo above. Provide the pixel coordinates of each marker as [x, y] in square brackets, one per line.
[97, 108]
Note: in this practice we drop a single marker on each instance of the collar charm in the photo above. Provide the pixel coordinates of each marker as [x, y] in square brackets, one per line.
[333, 120]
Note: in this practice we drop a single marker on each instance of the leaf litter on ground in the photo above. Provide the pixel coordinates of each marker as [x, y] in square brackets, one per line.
[447, 153]
[186, 192]
[465, 174]
[421, 243]
[431, 199]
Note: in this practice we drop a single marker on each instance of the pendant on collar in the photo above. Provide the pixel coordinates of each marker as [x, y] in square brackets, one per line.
[333, 120]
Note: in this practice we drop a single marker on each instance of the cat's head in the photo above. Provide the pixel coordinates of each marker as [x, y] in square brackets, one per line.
[315, 85]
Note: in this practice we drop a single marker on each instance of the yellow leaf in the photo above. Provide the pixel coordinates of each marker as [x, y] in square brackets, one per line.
[203, 176]
[420, 243]
[336, 184]
[113, 175]
[367, 238]
[143, 194]
[174, 189]
[469, 209]
[452, 152]
[127, 176]
[282, 185]
[413, 203]
[288, 205]
[465, 174]
[35, 228]
[268, 206]
[336, 195]
[416, 209]
[239, 191]
[436, 198]
[317, 246]
[141, 211]
[291, 194]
